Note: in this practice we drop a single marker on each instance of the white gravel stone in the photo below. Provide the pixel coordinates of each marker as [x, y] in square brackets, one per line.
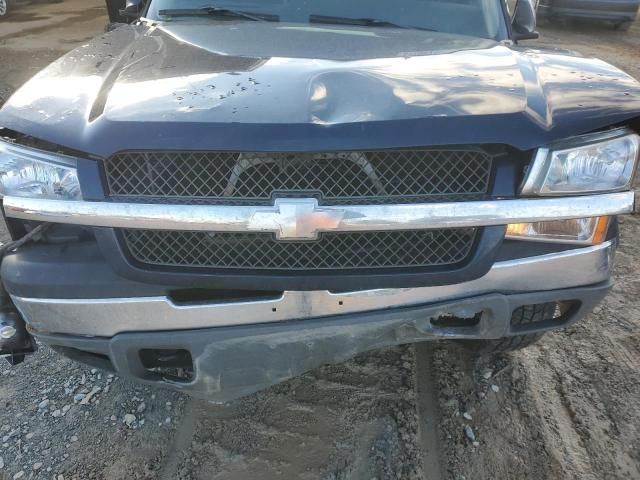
[468, 431]
[56, 413]
[129, 419]
[495, 388]
[37, 465]
[90, 395]
[74, 438]
[78, 397]
[43, 404]
[467, 415]
[141, 408]
[18, 475]
[1, 463]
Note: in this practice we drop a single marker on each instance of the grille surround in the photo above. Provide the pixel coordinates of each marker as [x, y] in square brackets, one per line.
[366, 177]
[342, 252]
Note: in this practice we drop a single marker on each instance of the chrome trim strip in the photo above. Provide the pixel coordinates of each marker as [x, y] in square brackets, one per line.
[303, 219]
[107, 317]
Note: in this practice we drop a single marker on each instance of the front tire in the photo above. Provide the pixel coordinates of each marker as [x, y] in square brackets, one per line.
[623, 26]
[524, 315]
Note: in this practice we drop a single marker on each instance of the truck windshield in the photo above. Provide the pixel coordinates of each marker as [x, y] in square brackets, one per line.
[480, 18]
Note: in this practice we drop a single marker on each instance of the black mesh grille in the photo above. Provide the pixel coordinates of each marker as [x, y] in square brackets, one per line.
[332, 251]
[399, 176]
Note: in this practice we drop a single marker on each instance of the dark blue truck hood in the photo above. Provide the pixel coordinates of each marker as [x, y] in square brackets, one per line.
[271, 86]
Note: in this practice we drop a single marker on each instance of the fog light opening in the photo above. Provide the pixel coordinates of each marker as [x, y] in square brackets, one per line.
[174, 365]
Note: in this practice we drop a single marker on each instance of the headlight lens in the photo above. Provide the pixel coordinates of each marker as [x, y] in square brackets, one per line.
[601, 166]
[589, 231]
[25, 172]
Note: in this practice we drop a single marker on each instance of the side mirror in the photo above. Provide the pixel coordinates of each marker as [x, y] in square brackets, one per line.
[132, 9]
[523, 24]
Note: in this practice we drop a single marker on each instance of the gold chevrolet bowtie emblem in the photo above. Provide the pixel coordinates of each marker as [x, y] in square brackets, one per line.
[295, 219]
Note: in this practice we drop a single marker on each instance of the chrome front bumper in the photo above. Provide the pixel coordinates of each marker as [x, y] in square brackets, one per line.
[109, 317]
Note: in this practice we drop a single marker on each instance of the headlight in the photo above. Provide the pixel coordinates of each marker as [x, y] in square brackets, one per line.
[25, 172]
[592, 164]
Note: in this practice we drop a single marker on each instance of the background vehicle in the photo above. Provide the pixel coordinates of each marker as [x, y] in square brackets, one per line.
[114, 8]
[621, 13]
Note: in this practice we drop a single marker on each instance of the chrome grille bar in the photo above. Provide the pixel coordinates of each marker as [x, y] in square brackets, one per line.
[303, 219]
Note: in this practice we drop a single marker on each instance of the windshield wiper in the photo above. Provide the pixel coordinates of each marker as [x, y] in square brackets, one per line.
[218, 12]
[365, 22]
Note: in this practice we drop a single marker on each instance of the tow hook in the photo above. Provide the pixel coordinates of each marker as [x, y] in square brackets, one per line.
[15, 341]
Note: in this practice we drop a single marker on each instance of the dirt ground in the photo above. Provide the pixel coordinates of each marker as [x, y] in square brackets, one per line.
[566, 408]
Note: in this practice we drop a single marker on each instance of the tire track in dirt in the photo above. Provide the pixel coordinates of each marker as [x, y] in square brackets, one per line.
[356, 420]
[428, 412]
[561, 439]
[181, 441]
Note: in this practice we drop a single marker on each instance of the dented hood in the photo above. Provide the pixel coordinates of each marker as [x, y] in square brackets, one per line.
[272, 86]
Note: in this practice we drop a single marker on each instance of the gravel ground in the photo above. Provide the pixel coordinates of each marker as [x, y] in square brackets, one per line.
[566, 408]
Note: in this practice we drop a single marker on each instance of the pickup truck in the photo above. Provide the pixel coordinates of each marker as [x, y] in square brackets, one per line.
[218, 198]
[621, 13]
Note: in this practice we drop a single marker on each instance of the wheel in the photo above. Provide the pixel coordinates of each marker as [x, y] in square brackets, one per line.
[521, 316]
[4, 8]
[623, 26]
[502, 345]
